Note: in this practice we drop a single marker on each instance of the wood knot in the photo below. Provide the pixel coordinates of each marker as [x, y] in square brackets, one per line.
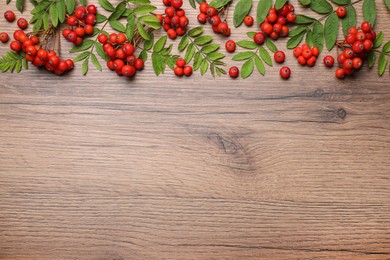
[318, 93]
[341, 113]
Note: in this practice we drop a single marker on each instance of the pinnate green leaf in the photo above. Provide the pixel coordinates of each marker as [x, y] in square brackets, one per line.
[331, 30]
[262, 10]
[243, 55]
[369, 11]
[241, 10]
[250, 45]
[382, 63]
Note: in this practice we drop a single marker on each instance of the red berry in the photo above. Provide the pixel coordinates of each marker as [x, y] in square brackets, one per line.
[80, 12]
[176, 3]
[357, 63]
[183, 22]
[341, 11]
[69, 64]
[128, 49]
[361, 36]
[215, 20]
[128, 71]
[187, 71]
[120, 38]
[230, 46]
[211, 11]
[170, 11]
[72, 20]
[291, 17]
[110, 65]
[66, 32]
[348, 53]
[340, 73]
[272, 17]
[223, 28]
[180, 12]
[340, 59]
[285, 72]
[297, 51]
[175, 20]
[42, 54]
[358, 47]
[234, 72]
[202, 18]
[366, 27]
[166, 2]
[15, 46]
[118, 64]
[267, 28]
[178, 71]
[306, 53]
[131, 60]
[281, 20]
[329, 61]
[4, 37]
[311, 61]
[17, 34]
[120, 54]
[259, 38]
[54, 61]
[367, 44]
[274, 36]
[172, 34]
[180, 62]
[31, 50]
[305, 46]
[350, 38]
[139, 64]
[352, 30]
[302, 60]
[78, 41]
[315, 51]
[180, 31]
[248, 20]
[90, 19]
[72, 36]
[277, 28]
[279, 56]
[160, 17]
[22, 23]
[284, 31]
[348, 64]
[9, 16]
[284, 10]
[203, 7]
[226, 32]
[62, 66]
[102, 38]
[91, 9]
[79, 31]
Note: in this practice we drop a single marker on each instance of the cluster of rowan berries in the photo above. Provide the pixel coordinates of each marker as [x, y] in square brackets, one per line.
[121, 54]
[181, 68]
[174, 20]
[306, 55]
[356, 46]
[38, 56]
[275, 24]
[210, 13]
[80, 23]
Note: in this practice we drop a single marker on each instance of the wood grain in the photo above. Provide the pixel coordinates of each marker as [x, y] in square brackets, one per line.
[101, 167]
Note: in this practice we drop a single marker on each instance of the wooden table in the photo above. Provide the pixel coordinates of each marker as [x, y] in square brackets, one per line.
[101, 167]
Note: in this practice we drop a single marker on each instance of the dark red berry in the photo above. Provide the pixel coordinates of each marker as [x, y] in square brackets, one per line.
[234, 72]
[22, 23]
[328, 61]
[279, 56]
[9, 16]
[230, 46]
[285, 72]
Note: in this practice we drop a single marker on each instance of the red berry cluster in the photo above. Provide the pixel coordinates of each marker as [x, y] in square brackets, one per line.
[181, 68]
[210, 13]
[275, 24]
[306, 55]
[80, 23]
[38, 56]
[121, 53]
[174, 20]
[356, 46]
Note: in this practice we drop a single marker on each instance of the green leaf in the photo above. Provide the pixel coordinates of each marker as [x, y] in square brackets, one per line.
[305, 2]
[12, 61]
[83, 2]
[349, 20]
[371, 59]
[260, 65]
[192, 3]
[378, 41]
[84, 46]
[42, 6]
[215, 56]
[107, 5]
[219, 3]
[100, 18]
[243, 55]
[96, 62]
[241, 10]
[54, 14]
[265, 56]
[70, 4]
[250, 45]
[202, 40]
[140, 2]
[321, 6]
[150, 19]
[160, 43]
[149, 43]
[271, 46]
[156, 64]
[45, 19]
[309, 38]
[210, 48]
[20, 5]
[386, 48]
[37, 25]
[382, 63]
[195, 31]
[119, 10]
[197, 60]
[144, 9]
[341, 2]
[262, 10]
[303, 19]
[369, 11]
[118, 26]
[318, 36]
[84, 66]
[387, 2]
[297, 30]
[189, 53]
[279, 4]
[203, 67]
[82, 56]
[100, 51]
[331, 30]
[251, 34]
[130, 26]
[61, 10]
[295, 40]
[143, 55]
[247, 68]
[183, 43]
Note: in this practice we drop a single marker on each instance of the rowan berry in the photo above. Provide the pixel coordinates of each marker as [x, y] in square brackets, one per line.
[248, 20]
[366, 27]
[285, 72]
[211, 11]
[234, 72]
[4, 37]
[279, 56]
[284, 10]
[230, 46]
[267, 28]
[170, 12]
[329, 61]
[110, 65]
[291, 17]
[305, 46]
[223, 28]
[79, 31]
[180, 62]
[80, 12]
[183, 21]
[259, 38]
[120, 54]
[340, 73]
[78, 41]
[62, 66]
[277, 28]
[352, 30]
[15, 46]
[361, 36]
[348, 53]
[160, 18]
[297, 51]
[306, 53]
[368, 44]
[72, 36]
[358, 47]
[187, 71]
[88, 29]
[175, 20]
[315, 51]
[202, 18]
[176, 3]
[31, 50]
[340, 59]
[215, 20]
[91, 9]
[357, 63]
[9, 16]
[350, 38]
[128, 49]
[166, 2]
[69, 64]
[203, 7]
[172, 33]
[180, 12]
[113, 37]
[22, 23]
[17, 34]
[284, 31]
[302, 60]
[311, 61]
[90, 19]
[54, 61]
[281, 20]
[120, 38]
[178, 71]
[272, 17]
[348, 64]
[128, 71]
[118, 64]
[72, 20]
[341, 11]
[180, 31]
[139, 64]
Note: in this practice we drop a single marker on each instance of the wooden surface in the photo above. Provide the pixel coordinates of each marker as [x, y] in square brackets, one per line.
[101, 167]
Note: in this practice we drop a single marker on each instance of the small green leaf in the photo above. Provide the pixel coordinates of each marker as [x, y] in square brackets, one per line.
[140, 2]
[195, 31]
[189, 53]
[297, 30]
[305, 2]
[119, 10]
[107, 5]
[160, 43]
[96, 62]
[61, 10]
[100, 51]
[250, 45]
[271, 46]
[349, 20]
[265, 56]
[20, 5]
[219, 3]
[117, 26]
[210, 48]
[183, 43]
[192, 3]
[37, 25]
[142, 31]
[295, 40]
[45, 19]
[303, 19]
[371, 59]
[309, 38]
[247, 68]
[202, 40]
[148, 44]
[321, 6]
[143, 55]
[241, 10]
[156, 64]
[262, 10]
[197, 60]
[341, 2]
[54, 14]
[70, 4]
[331, 30]
[369, 11]
[243, 55]
[387, 2]
[382, 63]
[82, 56]
[150, 18]
[144, 9]
[318, 36]
[260, 65]
[100, 18]
[251, 34]
[378, 41]
[386, 48]
[130, 26]
[279, 4]
[84, 66]
[215, 56]
[203, 67]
